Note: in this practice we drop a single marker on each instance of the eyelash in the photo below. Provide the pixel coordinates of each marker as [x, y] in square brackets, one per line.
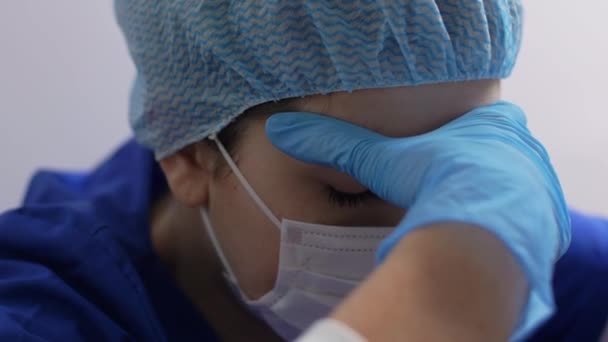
[350, 200]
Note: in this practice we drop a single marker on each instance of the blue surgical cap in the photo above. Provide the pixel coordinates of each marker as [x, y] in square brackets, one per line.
[201, 63]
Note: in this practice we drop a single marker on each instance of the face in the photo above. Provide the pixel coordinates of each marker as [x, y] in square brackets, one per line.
[310, 193]
[292, 190]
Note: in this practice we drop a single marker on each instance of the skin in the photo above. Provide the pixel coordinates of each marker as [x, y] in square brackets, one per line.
[462, 284]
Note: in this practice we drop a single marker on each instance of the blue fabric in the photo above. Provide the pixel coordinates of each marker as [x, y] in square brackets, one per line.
[200, 64]
[580, 285]
[76, 261]
[76, 264]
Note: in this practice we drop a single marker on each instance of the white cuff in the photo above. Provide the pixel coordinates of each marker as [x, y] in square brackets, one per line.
[330, 330]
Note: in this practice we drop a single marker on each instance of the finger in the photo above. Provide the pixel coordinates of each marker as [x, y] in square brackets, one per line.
[323, 140]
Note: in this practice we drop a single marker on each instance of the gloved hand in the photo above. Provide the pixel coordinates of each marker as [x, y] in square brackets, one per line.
[483, 168]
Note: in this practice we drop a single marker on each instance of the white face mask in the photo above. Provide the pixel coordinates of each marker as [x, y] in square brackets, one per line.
[319, 266]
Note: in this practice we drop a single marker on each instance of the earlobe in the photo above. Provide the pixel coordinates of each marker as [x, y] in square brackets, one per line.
[189, 172]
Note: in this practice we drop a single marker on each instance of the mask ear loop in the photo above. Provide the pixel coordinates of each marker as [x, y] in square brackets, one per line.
[218, 249]
[258, 201]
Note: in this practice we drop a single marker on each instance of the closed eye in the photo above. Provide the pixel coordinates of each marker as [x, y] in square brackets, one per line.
[351, 200]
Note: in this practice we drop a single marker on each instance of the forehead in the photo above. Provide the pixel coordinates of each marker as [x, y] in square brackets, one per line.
[404, 111]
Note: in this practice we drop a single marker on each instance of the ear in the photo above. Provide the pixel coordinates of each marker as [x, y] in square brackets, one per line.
[189, 173]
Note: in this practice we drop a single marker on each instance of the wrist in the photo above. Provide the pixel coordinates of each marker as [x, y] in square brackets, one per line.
[330, 330]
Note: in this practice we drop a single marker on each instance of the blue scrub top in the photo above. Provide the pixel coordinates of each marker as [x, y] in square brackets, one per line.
[77, 264]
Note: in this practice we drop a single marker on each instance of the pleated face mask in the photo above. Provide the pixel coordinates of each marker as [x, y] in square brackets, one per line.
[319, 265]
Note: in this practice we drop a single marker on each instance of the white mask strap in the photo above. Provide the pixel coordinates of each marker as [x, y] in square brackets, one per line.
[258, 201]
[216, 244]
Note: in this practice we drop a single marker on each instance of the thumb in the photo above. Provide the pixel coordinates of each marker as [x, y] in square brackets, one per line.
[326, 141]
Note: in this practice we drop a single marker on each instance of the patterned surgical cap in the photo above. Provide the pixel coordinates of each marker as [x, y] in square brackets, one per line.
[201, 63]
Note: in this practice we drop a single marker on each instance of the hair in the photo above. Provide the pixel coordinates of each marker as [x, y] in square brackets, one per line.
[232, 135]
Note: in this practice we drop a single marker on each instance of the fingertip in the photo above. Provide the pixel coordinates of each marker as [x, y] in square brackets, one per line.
[284, 129]
[286, 124]
[281, 123]
[277, 125]
[277, 121]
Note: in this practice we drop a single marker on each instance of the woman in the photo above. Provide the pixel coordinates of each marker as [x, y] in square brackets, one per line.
[193, 252]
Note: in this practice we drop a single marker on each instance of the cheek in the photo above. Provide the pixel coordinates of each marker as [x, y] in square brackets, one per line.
[248, 239]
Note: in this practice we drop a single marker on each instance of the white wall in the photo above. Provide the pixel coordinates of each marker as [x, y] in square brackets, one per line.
[64, 80]
[65, 75]
[561, 81]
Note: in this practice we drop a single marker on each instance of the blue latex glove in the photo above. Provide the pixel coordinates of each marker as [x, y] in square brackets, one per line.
[483, 168]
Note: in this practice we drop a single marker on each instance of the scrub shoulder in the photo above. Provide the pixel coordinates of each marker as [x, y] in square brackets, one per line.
[62, 279]
[76, 263]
